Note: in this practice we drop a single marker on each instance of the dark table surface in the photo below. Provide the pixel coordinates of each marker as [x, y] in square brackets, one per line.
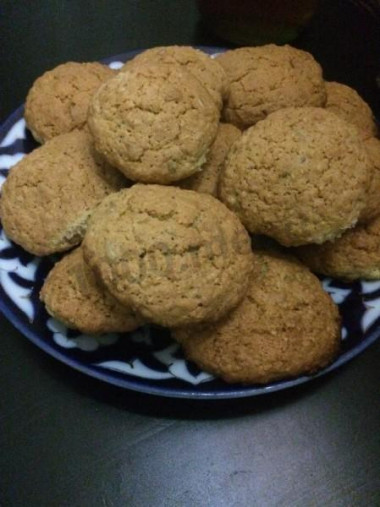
[69, 440]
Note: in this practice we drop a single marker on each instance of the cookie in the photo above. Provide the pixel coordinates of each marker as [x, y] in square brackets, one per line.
[354, 255]
[72, 295]
[267, 78]
[49, 195]
[299, 176]
[206, 181]
[286, 326]
[175, 256]
[372, 208]
[154, 122]
[58, 101]
[207, 70]
[346, 103]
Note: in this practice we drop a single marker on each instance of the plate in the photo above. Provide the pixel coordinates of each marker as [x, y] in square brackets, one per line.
[147, 360]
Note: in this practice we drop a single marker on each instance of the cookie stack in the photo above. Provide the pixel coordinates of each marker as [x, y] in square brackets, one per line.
[157, 180]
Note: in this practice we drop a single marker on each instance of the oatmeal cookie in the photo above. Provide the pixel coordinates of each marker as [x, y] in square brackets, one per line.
[155, 122]
[372, 208]
[354, 255]
[267, 78]
[299, 176]
[49, 195]
[348, 104]
[175, 256]
[207, 70]
[286, 326]
[58, 101]
[73, 295]
[207, 180]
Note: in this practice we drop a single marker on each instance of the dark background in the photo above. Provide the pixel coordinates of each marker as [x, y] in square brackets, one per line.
[69, 440]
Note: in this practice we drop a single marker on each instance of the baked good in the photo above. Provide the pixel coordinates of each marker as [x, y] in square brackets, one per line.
[345, 102]
[72, 295]
[49, 195]
[300, 176]
[286, 326]
[267, 78]
[58, 100]
[355, 255]
[207, 70]
[155, 122]
[175, 256]
[372, 208]
[207, 180]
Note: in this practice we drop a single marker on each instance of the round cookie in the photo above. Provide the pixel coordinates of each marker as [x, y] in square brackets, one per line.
[72, 295]
[299, 176]
[49, 195]
[372, 208]
[154, 122]
[206, 181]
[58, 101]
[207, 70]
[354, 255]
[286, 326]
[346, 103]
[175, 256]
[267, 78]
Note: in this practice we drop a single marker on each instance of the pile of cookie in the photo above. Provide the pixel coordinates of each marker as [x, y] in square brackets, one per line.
[161, 180]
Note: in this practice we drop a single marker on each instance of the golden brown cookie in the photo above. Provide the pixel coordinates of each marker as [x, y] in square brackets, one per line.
[348, 104]
[175, 256]
[354, 255]
[206, 181]
[286, 326]
[58, 101]
[300, 176]
[372, 208]
[72, 295]
[49, 195]
[154, 122]
[267, 78]
[207, 70]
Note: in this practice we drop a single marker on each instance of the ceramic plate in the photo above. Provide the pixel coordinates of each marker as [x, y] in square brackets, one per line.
[146, 360]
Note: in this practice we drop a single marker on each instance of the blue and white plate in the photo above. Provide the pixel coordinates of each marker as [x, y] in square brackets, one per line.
[146, 360]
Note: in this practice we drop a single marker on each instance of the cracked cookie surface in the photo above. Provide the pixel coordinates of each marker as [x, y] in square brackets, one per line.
[155, 122]
[267, 78]
[175, 256]
[73, 295]
[299, 176]
[207, 70]
[49, 195]
[58, 101]
[287, 325]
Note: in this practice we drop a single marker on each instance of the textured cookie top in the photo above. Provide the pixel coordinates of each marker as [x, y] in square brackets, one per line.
[206, 181]
[154, 122]
[72, 295]
[209, 72]
[175, 256]
[347, 104]
[372, 208]
[356, 254]
[49, 195]
[58, 101]
[286, 326]
[267, 78]
[300, 176]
